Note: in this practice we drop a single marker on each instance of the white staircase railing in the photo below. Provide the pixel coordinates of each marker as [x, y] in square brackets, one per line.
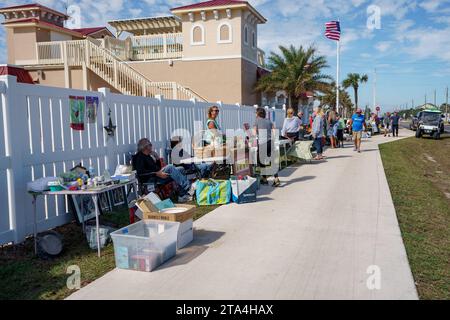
[105, 64]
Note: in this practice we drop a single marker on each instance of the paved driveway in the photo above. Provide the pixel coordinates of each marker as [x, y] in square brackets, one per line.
[316, 237]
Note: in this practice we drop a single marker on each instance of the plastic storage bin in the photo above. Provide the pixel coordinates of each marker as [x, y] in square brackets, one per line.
[145, 245]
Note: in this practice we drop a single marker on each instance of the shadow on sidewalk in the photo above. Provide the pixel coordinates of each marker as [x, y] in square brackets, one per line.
[337, 157]
[202, 240]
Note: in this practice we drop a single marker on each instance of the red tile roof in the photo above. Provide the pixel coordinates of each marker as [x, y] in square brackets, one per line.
[88, 31]
[45, 23]
[33, 5]
[23, 76]
[213, 3]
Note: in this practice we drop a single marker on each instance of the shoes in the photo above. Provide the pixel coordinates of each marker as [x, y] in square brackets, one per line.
[264, 181]
[191, 191]
[276, 183]
[185, 198]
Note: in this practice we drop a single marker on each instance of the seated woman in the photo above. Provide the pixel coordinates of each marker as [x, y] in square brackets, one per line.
[291, 126]
[147, 165]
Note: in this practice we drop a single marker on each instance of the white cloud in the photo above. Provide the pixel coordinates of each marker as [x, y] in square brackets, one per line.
[383, 46]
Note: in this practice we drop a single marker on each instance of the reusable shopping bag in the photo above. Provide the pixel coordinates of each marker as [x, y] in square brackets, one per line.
[244, 190]
[213, 192]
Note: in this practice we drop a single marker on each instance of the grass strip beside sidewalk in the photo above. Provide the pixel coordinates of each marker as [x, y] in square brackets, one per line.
[418, 173]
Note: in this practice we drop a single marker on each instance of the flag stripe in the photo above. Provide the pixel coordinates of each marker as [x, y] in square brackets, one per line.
[333, 30]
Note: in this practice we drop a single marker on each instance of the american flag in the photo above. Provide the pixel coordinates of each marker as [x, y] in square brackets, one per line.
[333, 30]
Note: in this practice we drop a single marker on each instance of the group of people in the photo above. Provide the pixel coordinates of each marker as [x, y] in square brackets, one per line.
[391, 123]
[149, 166]
[321, 125]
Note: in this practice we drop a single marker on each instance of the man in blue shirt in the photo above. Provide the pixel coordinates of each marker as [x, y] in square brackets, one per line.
[395, 119]
[358, 122]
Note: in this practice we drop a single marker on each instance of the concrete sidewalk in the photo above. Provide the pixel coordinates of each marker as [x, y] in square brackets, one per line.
[313, 238]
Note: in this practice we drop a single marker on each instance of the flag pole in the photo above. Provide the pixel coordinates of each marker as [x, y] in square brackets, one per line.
[337, 74]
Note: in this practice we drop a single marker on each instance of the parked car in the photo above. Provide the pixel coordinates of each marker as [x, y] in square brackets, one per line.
[429, 122]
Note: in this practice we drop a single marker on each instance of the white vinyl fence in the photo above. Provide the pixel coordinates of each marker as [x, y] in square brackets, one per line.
[36, 141]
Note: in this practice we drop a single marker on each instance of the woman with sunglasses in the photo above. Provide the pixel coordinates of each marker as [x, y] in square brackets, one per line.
[213, 131]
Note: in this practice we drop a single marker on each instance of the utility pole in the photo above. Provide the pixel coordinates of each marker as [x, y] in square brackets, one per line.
[375, 90]
[435, 101]
[446, 104]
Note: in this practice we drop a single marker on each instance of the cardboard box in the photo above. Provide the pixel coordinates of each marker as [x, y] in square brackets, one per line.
[149, 212]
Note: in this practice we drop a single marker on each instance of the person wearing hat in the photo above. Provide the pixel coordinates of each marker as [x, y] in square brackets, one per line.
[358, 123]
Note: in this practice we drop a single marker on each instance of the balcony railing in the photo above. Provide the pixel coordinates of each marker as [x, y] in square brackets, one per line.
[139, 48]
[157, 47]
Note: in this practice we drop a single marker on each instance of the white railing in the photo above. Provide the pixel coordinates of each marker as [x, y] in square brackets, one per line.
[44, 144]
[50, 53]
[120, 48]
[156, 47]
[109, 67]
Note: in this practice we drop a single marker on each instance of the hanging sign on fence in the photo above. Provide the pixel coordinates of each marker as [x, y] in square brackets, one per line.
[91, 109]
[77, 112]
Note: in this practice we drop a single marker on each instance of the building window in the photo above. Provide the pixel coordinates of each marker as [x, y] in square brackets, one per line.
[245, 34]
[224, 33]
[254, 39]
[198, 35]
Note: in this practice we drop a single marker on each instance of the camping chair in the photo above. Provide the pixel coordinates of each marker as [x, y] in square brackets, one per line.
[153, 184]
[191, 171]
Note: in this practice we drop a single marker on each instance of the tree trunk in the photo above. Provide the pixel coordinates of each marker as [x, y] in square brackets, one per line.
[356, 98]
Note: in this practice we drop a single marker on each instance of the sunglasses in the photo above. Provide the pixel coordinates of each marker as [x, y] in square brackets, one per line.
[216, 111]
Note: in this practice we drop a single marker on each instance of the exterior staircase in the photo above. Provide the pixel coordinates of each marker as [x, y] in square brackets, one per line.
[117, 73]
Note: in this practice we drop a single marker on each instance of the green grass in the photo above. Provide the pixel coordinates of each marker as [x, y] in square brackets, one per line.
[418, 172]
[24, 276]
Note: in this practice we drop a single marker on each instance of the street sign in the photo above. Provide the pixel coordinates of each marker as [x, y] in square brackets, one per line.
[378, 109]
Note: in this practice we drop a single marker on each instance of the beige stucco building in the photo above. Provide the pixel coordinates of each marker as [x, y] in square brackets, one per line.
[208, 51]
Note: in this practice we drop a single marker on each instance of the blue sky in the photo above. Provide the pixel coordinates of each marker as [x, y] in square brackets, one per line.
[411, 50]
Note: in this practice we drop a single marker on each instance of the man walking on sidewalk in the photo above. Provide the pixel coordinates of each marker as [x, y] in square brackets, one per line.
[395, 119]
[358, 122]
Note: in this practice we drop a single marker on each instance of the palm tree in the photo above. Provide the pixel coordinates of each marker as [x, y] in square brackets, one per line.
[296, 71]
[329, 99]
[354, 80]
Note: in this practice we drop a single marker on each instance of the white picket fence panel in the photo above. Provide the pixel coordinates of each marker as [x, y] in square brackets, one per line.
[36, 141]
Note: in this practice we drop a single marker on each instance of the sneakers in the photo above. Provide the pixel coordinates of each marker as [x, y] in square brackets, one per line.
[276, 183]
[185, 198]
[192, 189]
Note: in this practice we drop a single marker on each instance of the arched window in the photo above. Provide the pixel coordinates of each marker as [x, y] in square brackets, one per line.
[224, 33]
[254, 39]
[197, 35]
[245, 34]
